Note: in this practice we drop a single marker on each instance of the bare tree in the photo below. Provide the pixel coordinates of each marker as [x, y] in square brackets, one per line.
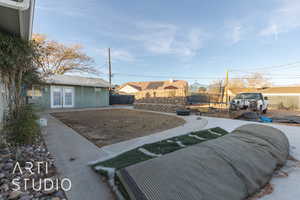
[216, 91]
[56, 58]
[236, 83]
[257, 80]
[254, 80]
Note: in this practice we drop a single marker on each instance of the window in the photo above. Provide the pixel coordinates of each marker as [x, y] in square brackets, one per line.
[98, 89]
[248, 96]
[35, 91]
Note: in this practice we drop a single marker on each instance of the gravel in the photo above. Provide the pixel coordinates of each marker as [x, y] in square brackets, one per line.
[10, 156]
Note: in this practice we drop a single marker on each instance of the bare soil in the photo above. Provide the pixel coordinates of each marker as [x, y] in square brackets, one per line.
[223, 113]
[104, 127]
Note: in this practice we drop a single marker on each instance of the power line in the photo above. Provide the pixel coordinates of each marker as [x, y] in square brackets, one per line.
[164, 76]
[203, 77]
[268, 67]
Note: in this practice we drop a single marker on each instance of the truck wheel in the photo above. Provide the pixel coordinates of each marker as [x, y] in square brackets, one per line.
[260, 109]
[265, 111]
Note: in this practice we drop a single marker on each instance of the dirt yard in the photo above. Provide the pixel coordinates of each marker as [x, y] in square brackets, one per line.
[104, 127]
[223, 113]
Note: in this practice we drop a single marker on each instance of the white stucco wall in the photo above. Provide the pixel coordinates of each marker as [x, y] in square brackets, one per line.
[128, 89]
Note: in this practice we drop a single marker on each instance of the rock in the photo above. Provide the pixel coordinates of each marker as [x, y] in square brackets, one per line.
[4, 152]
[26, 153]
[8, 166]
[2, 175]
[5, 187]
[49, 192]
[2, 181]
[26, 197]
[15, 195]
[37, 195]
[72, 159]
[60, 194]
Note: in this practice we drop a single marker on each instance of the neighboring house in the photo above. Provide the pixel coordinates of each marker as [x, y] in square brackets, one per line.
[62, 91]
[16, 18]
[168, 88]
[197, 88]
[288, 97]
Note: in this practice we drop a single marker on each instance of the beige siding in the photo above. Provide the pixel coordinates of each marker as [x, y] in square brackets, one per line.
[289, 102]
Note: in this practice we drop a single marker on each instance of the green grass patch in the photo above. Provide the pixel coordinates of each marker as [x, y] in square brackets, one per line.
[124, 160]
[205, 134]
[208, 135]
[188, 140]
[219, 130]
[162, 147]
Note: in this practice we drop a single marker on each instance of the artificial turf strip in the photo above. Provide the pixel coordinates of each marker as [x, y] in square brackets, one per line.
[219, 130]
[188, 140]
[207, 135]
[162, 147]
[126, 159]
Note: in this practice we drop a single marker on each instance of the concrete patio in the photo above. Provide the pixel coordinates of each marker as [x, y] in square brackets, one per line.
[64, 143]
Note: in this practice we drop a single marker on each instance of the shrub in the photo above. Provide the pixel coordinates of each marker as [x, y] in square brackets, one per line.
[281, 106]
[17, 70]
[24, 129]
[293, 107]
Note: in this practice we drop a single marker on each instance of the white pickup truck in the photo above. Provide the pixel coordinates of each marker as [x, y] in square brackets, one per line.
[252, 101]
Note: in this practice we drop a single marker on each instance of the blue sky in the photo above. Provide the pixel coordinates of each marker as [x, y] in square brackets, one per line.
[195, 40]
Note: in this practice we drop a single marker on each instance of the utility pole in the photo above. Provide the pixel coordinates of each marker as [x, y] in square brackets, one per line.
[109, 66]
[226, 86]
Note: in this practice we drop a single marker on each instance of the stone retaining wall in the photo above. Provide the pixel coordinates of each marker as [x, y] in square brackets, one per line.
[163, 100]
[171, 108]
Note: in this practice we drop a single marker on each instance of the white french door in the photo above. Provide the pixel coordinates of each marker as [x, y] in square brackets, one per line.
[68, 97]
[62, 97]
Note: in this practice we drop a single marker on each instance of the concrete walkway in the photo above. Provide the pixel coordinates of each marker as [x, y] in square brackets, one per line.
[64, 143]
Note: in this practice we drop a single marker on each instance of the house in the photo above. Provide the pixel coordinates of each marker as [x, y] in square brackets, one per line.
[168, 88]
[288, 97]
[16, 18]
[63, 91]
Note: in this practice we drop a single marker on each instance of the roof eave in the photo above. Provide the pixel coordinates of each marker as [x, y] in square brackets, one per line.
[26, 12]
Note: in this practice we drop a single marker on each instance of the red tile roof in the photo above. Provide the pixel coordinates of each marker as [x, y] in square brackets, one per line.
[157, 85]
